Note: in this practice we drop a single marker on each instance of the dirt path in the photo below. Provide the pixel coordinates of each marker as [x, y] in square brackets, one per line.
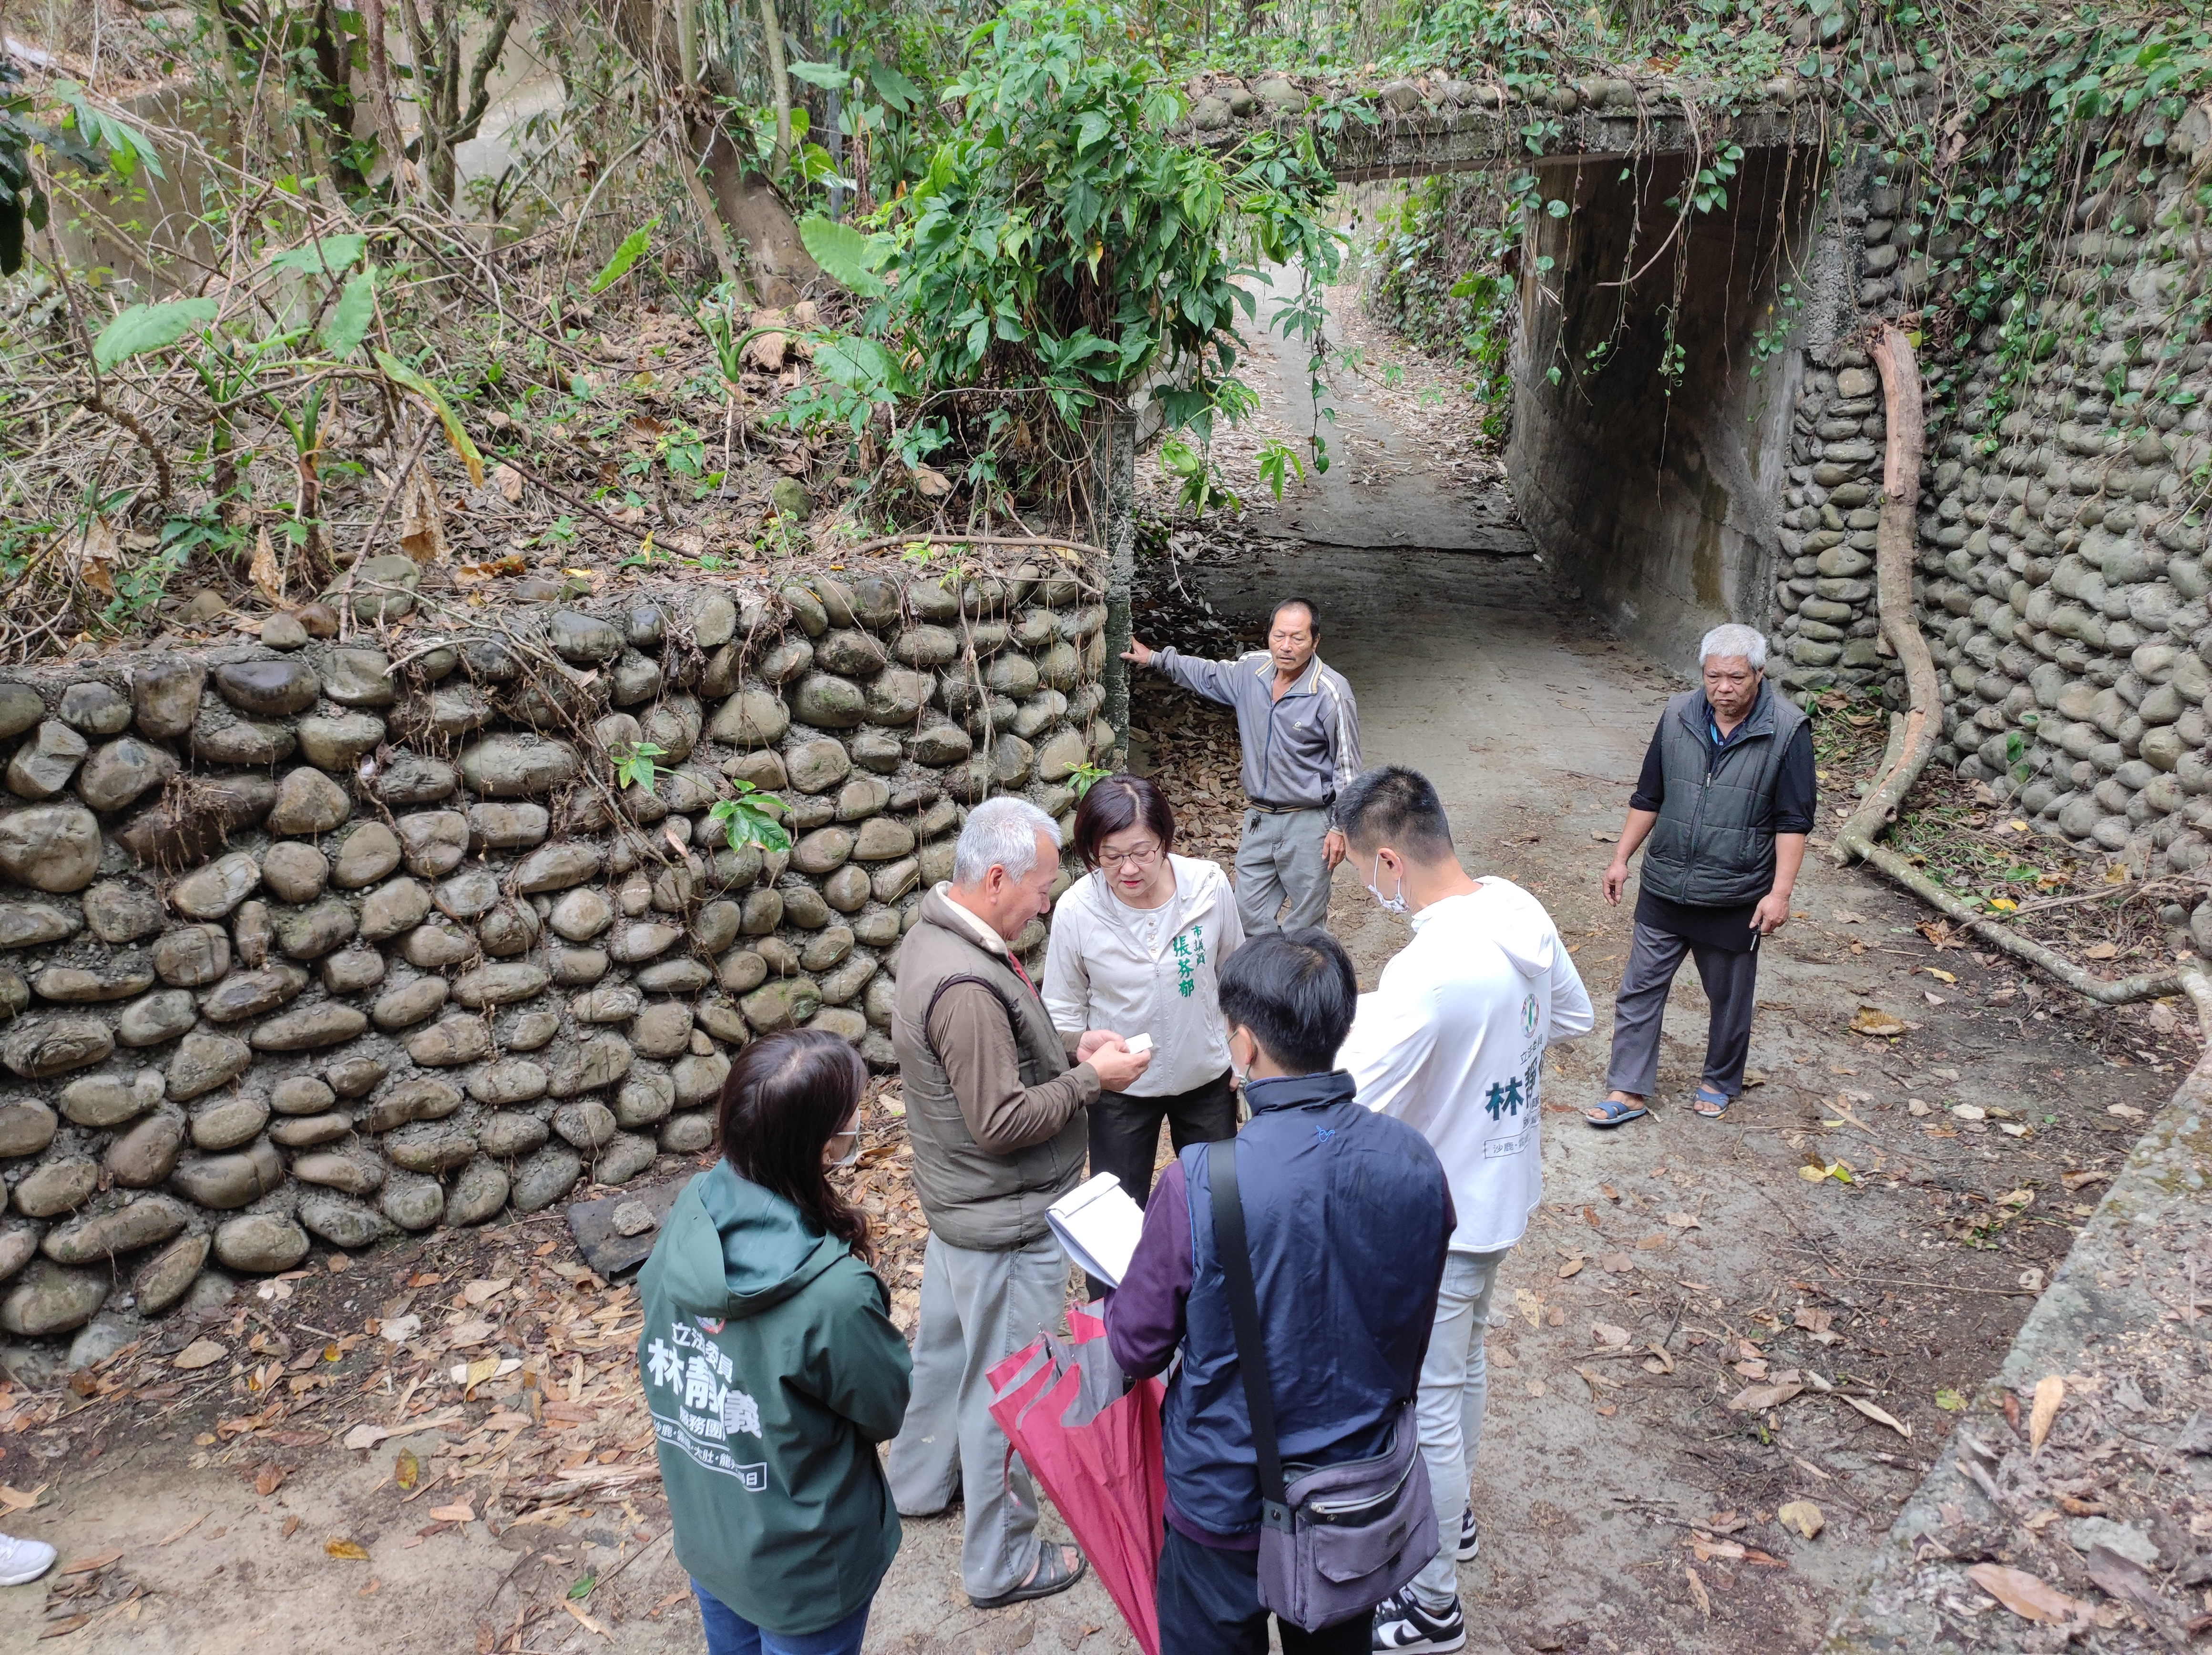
[1675, 1266]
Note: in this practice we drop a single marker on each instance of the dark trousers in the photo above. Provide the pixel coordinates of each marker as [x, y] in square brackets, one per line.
[1209, 1605]
[1125, 1132]
[1731, 984]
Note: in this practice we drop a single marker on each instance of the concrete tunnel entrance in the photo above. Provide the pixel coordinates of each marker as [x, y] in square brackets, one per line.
[1660, 498]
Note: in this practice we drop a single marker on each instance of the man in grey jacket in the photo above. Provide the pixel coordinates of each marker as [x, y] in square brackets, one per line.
[1299, 726]
[1721, 810]
[995, 1115]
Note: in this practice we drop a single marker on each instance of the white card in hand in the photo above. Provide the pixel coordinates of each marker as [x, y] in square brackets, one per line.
[1137, 1043]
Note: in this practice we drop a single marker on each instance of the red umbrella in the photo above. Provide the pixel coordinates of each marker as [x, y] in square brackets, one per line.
[1096, 1451]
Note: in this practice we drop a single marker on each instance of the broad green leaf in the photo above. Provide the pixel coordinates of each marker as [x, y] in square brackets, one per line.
[632, 249]
[827, 76]
[347, 324]
[1090, 129]
[333, 254]
[400, 374]
[843, 252]
[143, 328]
[893, 87]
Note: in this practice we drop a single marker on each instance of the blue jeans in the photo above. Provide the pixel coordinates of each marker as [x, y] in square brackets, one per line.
[729, 1633]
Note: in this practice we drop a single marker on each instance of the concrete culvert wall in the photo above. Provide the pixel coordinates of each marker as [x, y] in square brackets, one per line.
[357, 937]
[1657, 499]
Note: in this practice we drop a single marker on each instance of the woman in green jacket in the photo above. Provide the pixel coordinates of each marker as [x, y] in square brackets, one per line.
[771, 1365]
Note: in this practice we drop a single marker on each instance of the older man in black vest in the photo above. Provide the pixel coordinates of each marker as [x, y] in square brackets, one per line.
[1721, 811]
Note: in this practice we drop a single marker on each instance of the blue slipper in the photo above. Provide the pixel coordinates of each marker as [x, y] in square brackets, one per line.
[1716, 1099]
[1617, 1113]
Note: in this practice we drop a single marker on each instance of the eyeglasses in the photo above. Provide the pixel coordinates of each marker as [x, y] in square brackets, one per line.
[1143, 858]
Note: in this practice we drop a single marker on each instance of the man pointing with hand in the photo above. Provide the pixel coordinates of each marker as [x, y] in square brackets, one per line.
[1299, 727]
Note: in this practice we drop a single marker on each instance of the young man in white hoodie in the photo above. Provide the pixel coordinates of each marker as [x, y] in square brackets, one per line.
[1452, 1043]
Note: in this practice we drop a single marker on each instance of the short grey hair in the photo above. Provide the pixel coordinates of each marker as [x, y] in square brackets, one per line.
[1000, 832]
[1734, 639]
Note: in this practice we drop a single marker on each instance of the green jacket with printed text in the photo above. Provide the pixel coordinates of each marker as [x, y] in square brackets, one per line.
[772, 1369]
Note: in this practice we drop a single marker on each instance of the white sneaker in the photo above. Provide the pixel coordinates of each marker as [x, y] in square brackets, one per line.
[1470, 1535]
[22, 1562]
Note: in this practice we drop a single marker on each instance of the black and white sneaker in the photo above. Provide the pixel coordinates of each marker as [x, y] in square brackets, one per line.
[1470, 1534]
[1404, 1627]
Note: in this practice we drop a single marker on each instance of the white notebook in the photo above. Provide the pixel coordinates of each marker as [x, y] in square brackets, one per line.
[1098, 1225]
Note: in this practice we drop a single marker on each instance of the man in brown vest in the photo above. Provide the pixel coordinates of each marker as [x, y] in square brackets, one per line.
[995, 1113]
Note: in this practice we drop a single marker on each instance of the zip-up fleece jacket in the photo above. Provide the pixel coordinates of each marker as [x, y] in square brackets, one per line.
[994, 1110]
[772, 1368]
[1300, 752]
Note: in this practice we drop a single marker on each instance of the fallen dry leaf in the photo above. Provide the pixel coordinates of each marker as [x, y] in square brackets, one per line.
[350, 1551]
[1605, 1334]
[268, 1479]
[1804, 1516]
[1756, 1397]
[1872, 1020]
[1813, 1319]
[2101, 951]
[478, 1292]
[2050, 1393]
[265, 572]
[406, 1471]
[2029, 1597]
[1698, 1591]
[1880, 1416]
[469, 1333]
[86, 1564]
[1572, 1267]
[1683, 1221]
[1529, 1305]
[1616, 1263]
[422, 528]
[509, 481]
[1648, 1243]
[587, 1622]
[365, 1436]
[16, 1501]
[459, 1511]
[200, 1352]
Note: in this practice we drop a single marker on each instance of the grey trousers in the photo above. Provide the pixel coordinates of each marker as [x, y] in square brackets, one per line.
[1280, 860]
[1731, 984]
[1455, 1386]
[977, 1308]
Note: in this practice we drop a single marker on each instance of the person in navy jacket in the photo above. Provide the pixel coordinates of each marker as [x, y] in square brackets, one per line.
[1347, 1215]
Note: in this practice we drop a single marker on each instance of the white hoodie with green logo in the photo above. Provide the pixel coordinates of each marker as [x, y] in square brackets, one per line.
[1452, 1043]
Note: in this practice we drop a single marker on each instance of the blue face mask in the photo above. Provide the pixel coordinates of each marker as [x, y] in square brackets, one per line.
[1390, 904]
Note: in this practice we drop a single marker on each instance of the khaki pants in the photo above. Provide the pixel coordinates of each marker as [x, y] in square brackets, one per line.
[977, 1308]
[1278, 860]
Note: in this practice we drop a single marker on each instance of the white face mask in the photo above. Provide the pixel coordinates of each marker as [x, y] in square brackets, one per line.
[1390, 904]
[852, 1149]
[1239, 1072]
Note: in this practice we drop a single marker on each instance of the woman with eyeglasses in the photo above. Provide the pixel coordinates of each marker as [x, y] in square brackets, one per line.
[1135, 946]
[772, 1367]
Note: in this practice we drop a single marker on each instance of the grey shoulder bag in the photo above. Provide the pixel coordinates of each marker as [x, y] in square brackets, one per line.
[1335, 1540]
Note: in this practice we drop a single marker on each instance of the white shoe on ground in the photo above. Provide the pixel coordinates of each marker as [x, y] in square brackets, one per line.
[22, 1562]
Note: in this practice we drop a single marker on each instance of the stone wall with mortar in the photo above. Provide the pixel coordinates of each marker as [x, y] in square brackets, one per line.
[359, 936]
[2062, 576]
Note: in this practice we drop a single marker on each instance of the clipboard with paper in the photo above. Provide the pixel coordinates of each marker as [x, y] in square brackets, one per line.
[1097, 1224]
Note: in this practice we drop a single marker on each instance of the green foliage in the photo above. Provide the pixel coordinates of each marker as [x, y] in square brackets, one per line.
[329, 256]
[1059, 246]
[1199, 484]
[633, 248]
[1084, 777]
[746, 818]
[1277, 459]
[141, 328]
[847, 256]
[635, 767]
[347, 323]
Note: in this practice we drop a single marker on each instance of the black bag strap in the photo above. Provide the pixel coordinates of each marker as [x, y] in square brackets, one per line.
[1244, 1316]
[1013, 1011]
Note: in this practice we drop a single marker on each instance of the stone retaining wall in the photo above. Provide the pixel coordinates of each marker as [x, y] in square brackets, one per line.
[354, 937]
[2063, 578]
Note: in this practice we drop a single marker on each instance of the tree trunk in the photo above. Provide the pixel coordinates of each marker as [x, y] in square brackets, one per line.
[744, 198]
[778, 80]
[1112, 429]
[379, 74]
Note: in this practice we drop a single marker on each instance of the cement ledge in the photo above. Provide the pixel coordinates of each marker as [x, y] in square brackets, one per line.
[2124, 1286]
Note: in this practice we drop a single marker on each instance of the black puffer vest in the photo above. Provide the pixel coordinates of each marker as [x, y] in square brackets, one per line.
[1713, 844]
